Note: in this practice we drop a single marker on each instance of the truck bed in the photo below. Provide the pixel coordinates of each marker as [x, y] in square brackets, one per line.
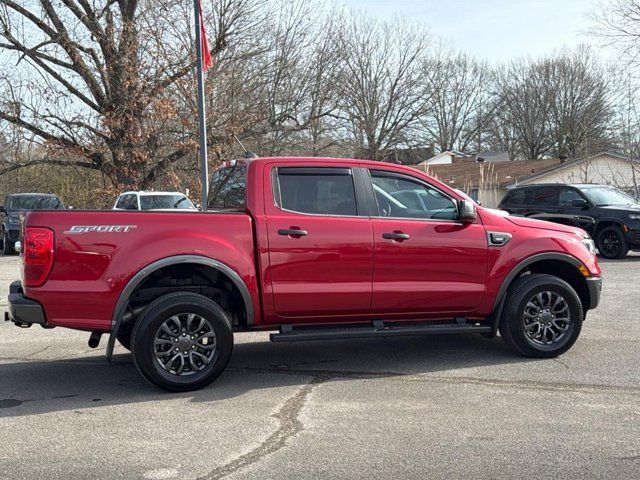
[96, 253]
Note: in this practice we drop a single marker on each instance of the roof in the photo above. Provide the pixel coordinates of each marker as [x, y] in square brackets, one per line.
[472, 174]
[150, 192]
[26, 194]
[570, 163]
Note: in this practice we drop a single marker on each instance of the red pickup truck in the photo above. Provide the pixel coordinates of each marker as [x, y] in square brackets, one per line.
[312, 249]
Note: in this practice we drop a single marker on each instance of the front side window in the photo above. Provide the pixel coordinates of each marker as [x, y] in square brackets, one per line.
[318, 191]
[567, 196]
[400, 197]
[122, 200]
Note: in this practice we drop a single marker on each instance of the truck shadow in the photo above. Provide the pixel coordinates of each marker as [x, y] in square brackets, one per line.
[35, 387]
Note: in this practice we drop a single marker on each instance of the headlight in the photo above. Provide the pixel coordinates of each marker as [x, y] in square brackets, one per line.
[634, 216]
[589, 244]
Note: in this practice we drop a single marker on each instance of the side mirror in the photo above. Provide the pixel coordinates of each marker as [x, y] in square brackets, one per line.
[580, 203]
[468, 212]
[2, 209]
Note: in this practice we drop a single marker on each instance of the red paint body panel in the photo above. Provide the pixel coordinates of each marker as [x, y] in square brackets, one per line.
[342, 271]
[91, 269]
[441, 268]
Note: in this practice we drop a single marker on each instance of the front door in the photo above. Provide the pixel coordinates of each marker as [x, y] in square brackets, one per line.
[425, 260]
[320, 244]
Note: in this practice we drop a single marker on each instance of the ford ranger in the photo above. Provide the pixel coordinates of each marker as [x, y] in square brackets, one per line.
[310, 249]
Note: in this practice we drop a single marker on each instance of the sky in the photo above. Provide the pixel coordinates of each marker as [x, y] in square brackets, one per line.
[495, 30]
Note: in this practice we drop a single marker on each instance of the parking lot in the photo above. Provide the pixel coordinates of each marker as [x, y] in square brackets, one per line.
[430, 407]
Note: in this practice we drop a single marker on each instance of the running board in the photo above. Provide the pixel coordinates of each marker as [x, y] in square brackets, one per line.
[290, 333]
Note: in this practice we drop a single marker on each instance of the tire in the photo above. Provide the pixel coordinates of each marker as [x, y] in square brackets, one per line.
[124, 335]
[156, 337]
[7, 247]
[612, 243]
[544, 331]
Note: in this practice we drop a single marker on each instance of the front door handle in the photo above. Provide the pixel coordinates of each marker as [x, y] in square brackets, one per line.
[292, 232]
[399, 236]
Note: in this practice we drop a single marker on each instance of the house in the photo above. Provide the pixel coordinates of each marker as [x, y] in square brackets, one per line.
[446, 157]
[453, 156]
[488, 182]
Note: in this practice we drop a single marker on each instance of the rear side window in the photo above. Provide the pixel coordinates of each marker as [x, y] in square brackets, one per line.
[228, 189]
[318, 191]
[544, 196]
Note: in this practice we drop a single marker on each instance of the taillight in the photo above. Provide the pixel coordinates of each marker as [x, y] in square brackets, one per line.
[37, 255]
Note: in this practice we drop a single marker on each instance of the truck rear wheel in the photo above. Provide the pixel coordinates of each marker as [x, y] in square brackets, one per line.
[182, 341]
[542, 316]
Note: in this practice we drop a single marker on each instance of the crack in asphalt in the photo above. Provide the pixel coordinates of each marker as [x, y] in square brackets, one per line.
[485, 382]
[290, 425]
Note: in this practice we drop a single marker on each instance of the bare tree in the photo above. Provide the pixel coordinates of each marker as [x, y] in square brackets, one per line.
[458, 108]
[93, 81]
[581, 111]
[381, 89]
[526, 104]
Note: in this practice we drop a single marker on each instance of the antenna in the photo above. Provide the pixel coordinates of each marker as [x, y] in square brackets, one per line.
[247, 153]
[240, 143]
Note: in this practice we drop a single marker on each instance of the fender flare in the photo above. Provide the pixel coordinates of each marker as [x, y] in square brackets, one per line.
[138, 278]
[600, 221]
[498, 304]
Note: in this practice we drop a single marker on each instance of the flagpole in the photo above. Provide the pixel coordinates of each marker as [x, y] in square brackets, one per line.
[204, 166]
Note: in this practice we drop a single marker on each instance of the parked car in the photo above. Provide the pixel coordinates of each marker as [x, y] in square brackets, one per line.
[16, 203]
[609, 215]
[153, 201]
[314, 249]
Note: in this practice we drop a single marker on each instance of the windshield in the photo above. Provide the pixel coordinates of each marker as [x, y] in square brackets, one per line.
[33, 202]
[602, 196]
[158, 202]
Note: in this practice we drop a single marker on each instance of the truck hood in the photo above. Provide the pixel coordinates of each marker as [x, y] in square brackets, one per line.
[541, 224]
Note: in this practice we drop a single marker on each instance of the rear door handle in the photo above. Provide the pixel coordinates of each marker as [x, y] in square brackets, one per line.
[292, 232]
[399, 236]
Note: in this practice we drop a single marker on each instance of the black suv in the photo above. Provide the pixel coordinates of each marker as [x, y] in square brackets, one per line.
[22, 202]
[611, 216]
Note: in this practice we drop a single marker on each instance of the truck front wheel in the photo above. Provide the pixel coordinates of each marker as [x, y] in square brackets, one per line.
[542, 317]
[182, 341]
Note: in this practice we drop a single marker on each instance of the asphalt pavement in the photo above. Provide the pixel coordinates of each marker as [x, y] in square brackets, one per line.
[439, 407]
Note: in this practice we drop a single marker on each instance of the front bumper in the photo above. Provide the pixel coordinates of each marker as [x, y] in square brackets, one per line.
[594, 284]
[22, 310]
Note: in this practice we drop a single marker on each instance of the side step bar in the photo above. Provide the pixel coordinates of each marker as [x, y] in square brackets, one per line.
[290, 333]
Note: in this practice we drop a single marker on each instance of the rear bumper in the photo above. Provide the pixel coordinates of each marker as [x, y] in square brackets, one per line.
[594, 284]
[22, 310]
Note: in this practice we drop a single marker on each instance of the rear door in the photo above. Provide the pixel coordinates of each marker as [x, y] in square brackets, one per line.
[425, 260]
[542, 199]
[320, 242]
